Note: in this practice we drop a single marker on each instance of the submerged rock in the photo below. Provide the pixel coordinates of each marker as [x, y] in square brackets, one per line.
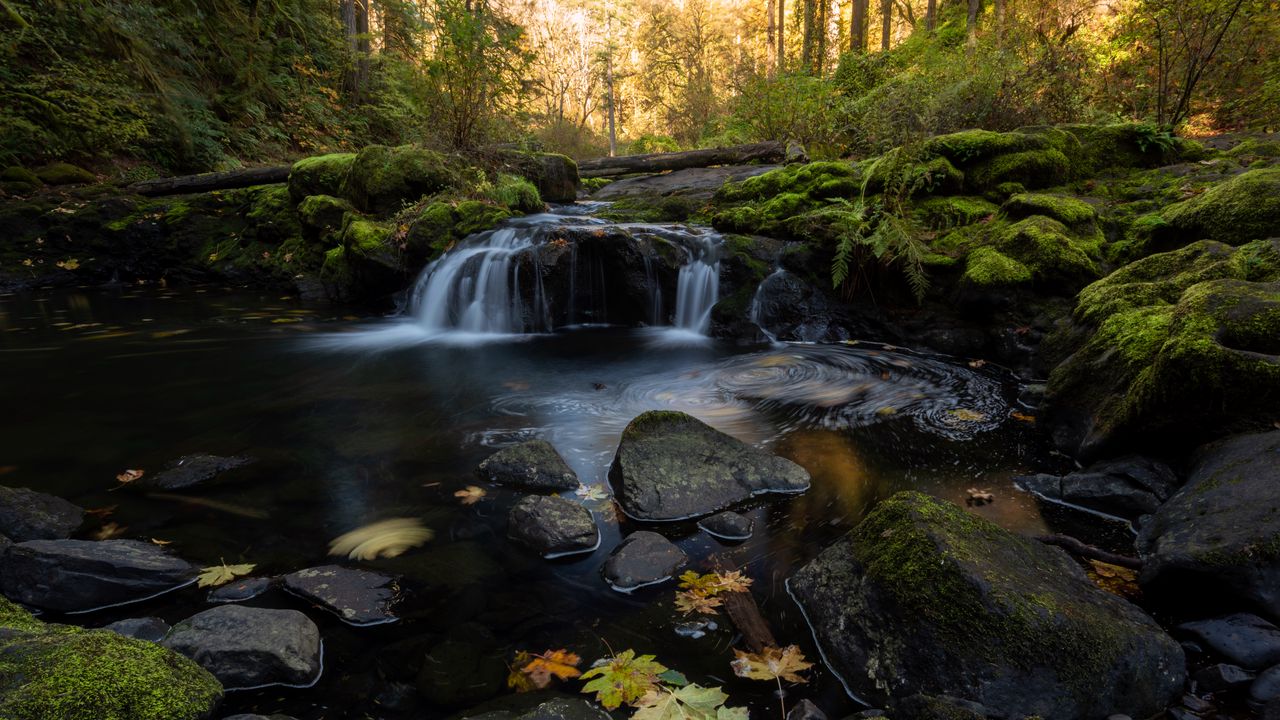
[194, 469]
[561, 708]
[727, 525]
[1220, 677]
[151, 629]
[29, 515]
[924, 598]
[533, 464]
[73, 575]
[643, 558]
[1244, 639]
[359, 597]
[553, 526]
[249, 647]
[1217, 540]
[61, 672]
[1127, 487]
[671, 466]
[240, 590]
[463, 670]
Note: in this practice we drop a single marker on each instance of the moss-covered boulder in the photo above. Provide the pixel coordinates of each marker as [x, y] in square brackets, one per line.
[988, 268]
[923, 597]
[442, 223]
[1057, 258]
[58, 672]
[1073, 212]
[1182, 346]
[1216, 543]
[1245, 208]
[64, 174]
[19, 174]
[322, 216]
[384, 179]
[555, 176]
[319, 175]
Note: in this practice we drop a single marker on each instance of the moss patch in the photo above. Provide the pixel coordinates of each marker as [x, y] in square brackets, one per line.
[319, 175]
[384, 179]
[1244, 208]
[987, 267]
[64, 174]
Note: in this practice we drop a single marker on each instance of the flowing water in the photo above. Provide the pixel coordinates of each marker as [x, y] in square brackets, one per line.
[347, 431]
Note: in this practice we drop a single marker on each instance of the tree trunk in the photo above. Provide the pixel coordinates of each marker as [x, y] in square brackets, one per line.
[782, 48]
[207, 182]
[971, 22]
[771, 48]
[765, 152]
[821, 58]
[608, 77]
[858, 26]
[931, 16]
[886, 23]
[999, 20]
[807, 41]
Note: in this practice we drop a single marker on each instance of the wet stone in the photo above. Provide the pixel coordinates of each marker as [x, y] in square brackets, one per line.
[359, 597]
[1221, 676]
[152, 629]
[727, 525]
[194, 469]
[533, 465]
[29, 515]
[240, 590]
[248, 647]
[806, 710]
[1242, 639]
[1266, 688]
[553, 526]
[72, 575]
[643, 558]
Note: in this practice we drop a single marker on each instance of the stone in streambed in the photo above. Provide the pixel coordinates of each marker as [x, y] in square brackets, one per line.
[643, 558]
[925, 598]
[74, 575]
[29, 515]
[248, 647]
[1244, 639]
[671, 466]
[1126, 487]
[359, 597]
[151, 629]
[1222, 676]
[191, 470]
[1266, 688]
[533, 465]
[727, 525]
[240, 590]
[552, 526]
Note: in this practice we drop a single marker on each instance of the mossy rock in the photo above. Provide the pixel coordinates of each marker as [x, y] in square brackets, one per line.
[988, 268]
[322, 216]
[17, 187]
[816, 180]
[1129, 145]
[1030, 168]
[554, 175]
[1056, 259]
[444, 222]
[271, 215]
[516, 193]
[933, 176]
[942, 213]
[64, 174]
[1075, 213]
[1256, 148]
[384, 179]
[923, 597]
[1246, 207]
[969, 147]
[18, 174]
[319, 175]
[57, 672]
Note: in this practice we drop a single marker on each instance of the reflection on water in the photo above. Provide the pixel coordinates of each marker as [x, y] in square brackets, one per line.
[99, 382]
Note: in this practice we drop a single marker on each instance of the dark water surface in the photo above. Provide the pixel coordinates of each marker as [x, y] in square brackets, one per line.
[347, 431]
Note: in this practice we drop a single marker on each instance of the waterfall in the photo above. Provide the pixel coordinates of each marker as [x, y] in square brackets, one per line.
[698, 287]
[472, 289]
[757, 305]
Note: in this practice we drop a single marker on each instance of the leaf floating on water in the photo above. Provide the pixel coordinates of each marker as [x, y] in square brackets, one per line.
[771, 663]
[129, 476]
[979, 497]
[691, 702]
[1023, 417]
[161, 543]
[533, 671]
[690, 602]
[386, 538]
[698, 592]
[470, 495]
[222, 574]
[967, 415]
[591, 492]
[624, 678]
[976, 364]
[108, 531]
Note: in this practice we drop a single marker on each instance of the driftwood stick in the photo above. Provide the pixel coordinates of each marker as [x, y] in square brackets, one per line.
[1075, 547]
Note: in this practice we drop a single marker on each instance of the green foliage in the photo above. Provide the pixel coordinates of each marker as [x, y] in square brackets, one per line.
[515, 192]
[652, 144]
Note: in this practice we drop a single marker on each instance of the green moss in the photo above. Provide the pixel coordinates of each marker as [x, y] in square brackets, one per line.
[1031, 168]
[971, 146]
[335, 270]
[383, 179]
[64, 174]
[1246, 207]
[473, 216]
[941, 213]
[16, 187]
[593, 184]
[516, 193]
[1161, 279]
[15, 173]
[673, 208]
[745, 249]
[365, 237]
[1072, 212]
[1128, 145]
[1256, 148]
[323, 214]
[319, 175]
[15, 617]
[987, 267]
[817, 180]
[444, 222]
[1046, 247]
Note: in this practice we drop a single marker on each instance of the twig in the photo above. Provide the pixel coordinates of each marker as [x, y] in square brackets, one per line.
[1076, 547]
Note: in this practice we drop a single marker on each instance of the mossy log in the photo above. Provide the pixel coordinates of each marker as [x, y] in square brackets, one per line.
[765, 152]
[207, 182]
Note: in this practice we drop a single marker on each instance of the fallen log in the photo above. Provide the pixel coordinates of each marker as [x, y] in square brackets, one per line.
[1075, 547]
[746, 616]
[207, 182]
[765, 152]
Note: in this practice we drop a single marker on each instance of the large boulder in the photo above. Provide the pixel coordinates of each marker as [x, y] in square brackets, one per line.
[555, 176]
[248, 647]
[383, 179]
[29, 515]
[319, 175]
[1217, 540]
[671, 466]
[359, 597]
[59, 672]
[75, 575]
[1244, 208]
[533, 464]
[1177, 347]
[924, 598]
[553, 526]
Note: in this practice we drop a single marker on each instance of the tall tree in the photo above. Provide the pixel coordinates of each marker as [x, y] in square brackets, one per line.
[886, 23]
[858, 26]
[931, 15]
[1187, 36]
[808, 41]
[355, 21]
[782, 48]
[971, 22]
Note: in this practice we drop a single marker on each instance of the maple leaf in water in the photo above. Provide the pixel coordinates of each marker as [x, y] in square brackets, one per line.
[535, 671]
[689, 602]
[470, 495]
[771, 663]
[591, 492]
[222, 574]
[385, 538]
[623, 678]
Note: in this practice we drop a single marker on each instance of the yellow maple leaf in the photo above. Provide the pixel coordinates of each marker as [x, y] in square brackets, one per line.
[222, 574]
[688, 602]
[732, 582]
[109, 530]
[537, 670]
[385, 538]
[470, 495]
[771, 663]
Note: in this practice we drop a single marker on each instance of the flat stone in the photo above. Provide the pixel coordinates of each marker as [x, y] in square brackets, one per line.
[671, 466]
[727, 525]
[29, 515]
[1266, 688]
[359, 597]
[643, 558]
[1127, 487]
[194, 469]
[248, 647]
[1221, 676]
[240, 590]
[533, 465]
[1242, 639]
[553, 526]
[75, 575]
[151, 629]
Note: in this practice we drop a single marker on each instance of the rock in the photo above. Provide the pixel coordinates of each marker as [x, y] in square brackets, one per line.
[1127, 487]
[319, 175]
[64, 174]
[75, 575]
[249, 716]
[382, 179]
[565, 709]
[555, 176]
[671, 466]
[533, 464]
[1266, 688]
[806, 710]
[1220, 677]
[151, 629]
[194, 469]
[240, 590]
[248, 647]
[943, 707]
[1243, 639]
[693, 183]
[359, 597]
[922, 597]
[727, 525]
[1218, 538]
[643, 558]
[463, 671]
[29, 515]
[64, 672]
[553, 526]
[1244, 208]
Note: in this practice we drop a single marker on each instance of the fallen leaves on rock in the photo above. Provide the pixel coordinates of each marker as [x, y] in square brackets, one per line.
[129, 476]
[385, 538]
[771, 663]
[534, 671]
[222, 574]
[1114, 579]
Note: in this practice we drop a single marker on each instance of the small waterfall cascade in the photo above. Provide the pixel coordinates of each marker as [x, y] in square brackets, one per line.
[471, 288]
[756, 315]
[698, 287]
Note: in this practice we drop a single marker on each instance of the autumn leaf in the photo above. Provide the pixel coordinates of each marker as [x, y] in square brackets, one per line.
[1115, 579]
[690, 602]
[102, 511]
[535, 671]
[771, 663]
[623, 678]
[222, 574]
[591, 492]
[386, 538]
[733, 581]
[698, 592]
[470, 495]
[691, 702]
[161, 543]
[1023, 417]
[129, 476]
[979, 497]
[109, 530]
[966, 415]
